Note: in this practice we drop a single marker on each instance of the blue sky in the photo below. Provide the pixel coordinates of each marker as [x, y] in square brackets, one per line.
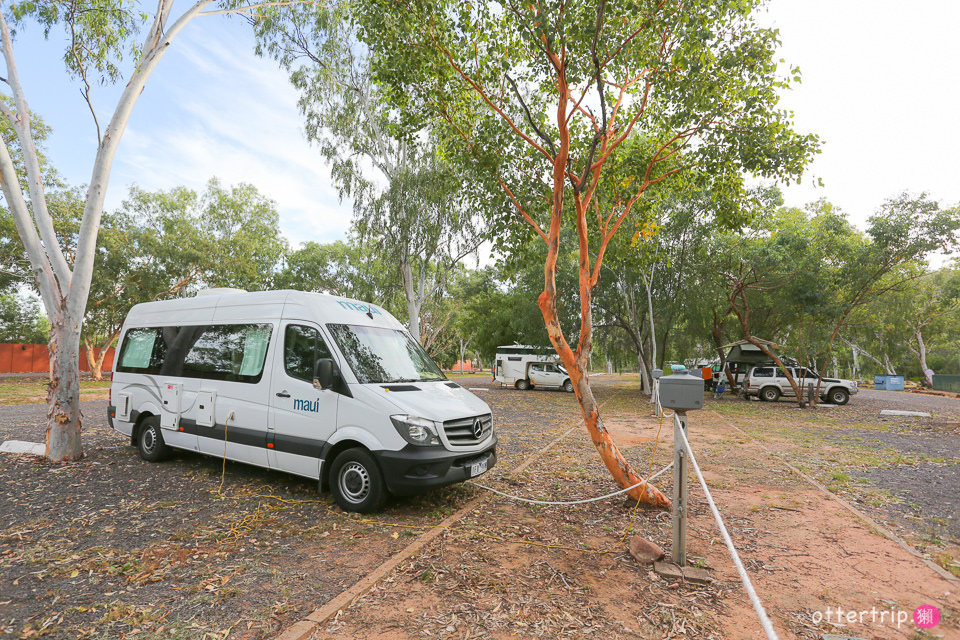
[211, 108]
[879, 87]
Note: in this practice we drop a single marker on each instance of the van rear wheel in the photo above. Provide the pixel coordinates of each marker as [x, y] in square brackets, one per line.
[523, 384]
[150, 441]
[356, 482]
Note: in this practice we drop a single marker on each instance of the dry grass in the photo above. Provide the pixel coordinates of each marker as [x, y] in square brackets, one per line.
[34, 390]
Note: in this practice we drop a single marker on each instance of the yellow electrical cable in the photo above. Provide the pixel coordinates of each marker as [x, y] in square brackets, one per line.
[223, 472]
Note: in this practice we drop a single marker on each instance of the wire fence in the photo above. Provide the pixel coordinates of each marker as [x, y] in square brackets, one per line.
[765, 622]
[744, 578]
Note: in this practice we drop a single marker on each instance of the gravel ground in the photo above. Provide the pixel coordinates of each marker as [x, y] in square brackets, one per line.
[943, 406]
[926, 483]
[929, 490]
[111, 544]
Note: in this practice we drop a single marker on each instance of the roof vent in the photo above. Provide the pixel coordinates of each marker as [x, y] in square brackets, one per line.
[221, 291]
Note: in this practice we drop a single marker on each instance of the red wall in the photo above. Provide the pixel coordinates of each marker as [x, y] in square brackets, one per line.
[35, 358]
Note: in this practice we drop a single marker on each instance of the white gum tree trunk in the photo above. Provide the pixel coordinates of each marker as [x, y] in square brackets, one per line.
[64, 292]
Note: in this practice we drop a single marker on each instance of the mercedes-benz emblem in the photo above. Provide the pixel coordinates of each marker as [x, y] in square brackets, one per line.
[477, 428]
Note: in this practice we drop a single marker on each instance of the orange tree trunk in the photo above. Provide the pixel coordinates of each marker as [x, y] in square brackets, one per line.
[616, 464]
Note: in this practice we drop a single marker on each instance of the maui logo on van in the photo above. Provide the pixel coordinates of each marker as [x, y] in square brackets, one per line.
[306, 405]
[363, 308]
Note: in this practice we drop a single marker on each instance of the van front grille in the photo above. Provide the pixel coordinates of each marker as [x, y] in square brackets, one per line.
[463, 432]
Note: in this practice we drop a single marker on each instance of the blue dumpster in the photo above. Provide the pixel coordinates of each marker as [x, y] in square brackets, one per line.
[888, 383]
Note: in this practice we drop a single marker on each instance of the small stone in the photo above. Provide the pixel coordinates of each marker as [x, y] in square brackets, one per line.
[644, 551]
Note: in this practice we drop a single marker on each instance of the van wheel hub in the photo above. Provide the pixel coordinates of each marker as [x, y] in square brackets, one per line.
[149, 440]
[354, 482]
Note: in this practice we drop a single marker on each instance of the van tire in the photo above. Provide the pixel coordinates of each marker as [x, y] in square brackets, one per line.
[568, 386]
[523, 384]
[150, 440]
[356, 482]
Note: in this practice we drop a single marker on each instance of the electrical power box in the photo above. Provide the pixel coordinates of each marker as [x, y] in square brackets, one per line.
[681, 391]
[170, 399]
[206, 403]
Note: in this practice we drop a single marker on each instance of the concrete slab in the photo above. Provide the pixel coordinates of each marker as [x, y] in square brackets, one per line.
[908, 414]
[19, 446]
[671, 571]
[668, 570]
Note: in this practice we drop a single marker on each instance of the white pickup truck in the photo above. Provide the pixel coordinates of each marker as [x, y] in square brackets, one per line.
[768, 383]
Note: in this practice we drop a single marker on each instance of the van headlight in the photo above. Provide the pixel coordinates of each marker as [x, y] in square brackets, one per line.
[414, 430]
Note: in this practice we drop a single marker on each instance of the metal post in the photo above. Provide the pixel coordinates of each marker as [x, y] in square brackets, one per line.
[679, 491]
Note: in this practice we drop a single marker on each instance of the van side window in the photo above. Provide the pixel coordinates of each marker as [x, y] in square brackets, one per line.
[143, 351]
[302, 347]
[763, 372]
[235, 353]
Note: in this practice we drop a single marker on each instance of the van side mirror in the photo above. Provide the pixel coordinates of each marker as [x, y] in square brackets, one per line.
[324, 373]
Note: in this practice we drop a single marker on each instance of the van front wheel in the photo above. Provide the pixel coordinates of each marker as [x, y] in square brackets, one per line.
[150, 441]
[356, 482]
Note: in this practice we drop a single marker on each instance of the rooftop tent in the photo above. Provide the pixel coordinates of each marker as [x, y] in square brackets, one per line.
[744, 352]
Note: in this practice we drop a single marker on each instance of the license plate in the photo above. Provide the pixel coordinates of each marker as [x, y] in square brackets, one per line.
[477, 469]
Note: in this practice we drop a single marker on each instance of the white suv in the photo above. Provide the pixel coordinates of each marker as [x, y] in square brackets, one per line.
[544, 374]
[768, 382]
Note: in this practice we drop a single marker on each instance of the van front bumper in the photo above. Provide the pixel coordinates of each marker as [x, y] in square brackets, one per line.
[413, 469]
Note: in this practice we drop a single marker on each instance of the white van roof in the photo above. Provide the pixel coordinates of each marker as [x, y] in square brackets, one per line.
[242, 306]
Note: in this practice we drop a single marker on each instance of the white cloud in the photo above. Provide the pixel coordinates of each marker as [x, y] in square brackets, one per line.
[213, 108]
[877, 88]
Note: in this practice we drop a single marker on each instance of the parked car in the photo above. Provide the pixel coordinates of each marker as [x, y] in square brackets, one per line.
[768, 382]
[526, 367]
[544, 374]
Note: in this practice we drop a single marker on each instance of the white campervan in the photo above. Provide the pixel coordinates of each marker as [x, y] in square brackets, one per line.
[311, 384]
[526, 367]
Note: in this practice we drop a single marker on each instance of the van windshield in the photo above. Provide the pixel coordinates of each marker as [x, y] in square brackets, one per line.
[379, 355]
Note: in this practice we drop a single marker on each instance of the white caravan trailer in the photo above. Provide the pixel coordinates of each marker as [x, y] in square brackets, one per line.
[311, 384]
[525, 367]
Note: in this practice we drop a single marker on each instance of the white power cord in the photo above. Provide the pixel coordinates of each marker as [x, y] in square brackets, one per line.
[609, 495]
